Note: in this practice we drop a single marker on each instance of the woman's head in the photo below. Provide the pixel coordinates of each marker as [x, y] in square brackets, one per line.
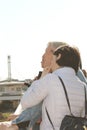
[68, 56]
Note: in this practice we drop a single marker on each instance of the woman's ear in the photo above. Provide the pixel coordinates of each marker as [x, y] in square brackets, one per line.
[58, 57]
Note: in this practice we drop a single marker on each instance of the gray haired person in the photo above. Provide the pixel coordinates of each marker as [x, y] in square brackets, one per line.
[34, 113]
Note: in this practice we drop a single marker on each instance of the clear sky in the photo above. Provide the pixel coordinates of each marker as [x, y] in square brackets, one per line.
[26, 26]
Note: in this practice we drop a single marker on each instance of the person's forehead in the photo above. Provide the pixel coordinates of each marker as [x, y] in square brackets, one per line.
[49, 48]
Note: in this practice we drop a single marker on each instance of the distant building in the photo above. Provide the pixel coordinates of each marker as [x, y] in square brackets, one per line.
[11, 89]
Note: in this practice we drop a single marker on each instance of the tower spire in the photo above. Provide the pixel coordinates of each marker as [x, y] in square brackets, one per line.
[9, 68]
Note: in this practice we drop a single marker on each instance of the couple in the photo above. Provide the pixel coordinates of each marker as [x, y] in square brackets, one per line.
[63, 62]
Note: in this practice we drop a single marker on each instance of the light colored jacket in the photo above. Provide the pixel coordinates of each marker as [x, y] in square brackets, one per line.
[34, 113]
[50, 89]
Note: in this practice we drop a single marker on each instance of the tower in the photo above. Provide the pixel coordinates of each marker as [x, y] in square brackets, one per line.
[9, 68]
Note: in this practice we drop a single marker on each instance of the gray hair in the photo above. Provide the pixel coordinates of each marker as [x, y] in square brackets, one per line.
[56, 44]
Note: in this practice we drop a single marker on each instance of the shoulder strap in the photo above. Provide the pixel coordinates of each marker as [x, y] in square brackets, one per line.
[49, 119]
[67, 102]
[85, 101]
[66, 95]
[68, 98]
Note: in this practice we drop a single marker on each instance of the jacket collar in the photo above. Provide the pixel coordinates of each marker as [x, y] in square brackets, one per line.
[65, 71]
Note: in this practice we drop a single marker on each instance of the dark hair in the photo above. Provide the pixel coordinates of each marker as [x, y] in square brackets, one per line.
[70, 57]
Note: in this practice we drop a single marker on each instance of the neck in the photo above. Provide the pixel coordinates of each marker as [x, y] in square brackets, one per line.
[56, 67]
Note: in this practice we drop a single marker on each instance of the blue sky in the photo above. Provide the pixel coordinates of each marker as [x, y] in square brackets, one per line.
[27, 25]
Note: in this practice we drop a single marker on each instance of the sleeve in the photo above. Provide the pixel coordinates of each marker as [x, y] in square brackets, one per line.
[32, 114]
[18, 110]
[35, 93]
